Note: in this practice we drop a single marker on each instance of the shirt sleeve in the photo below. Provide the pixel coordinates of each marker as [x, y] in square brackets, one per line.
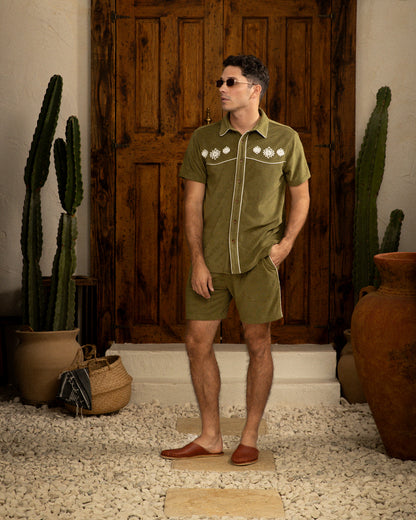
[194, 167]
[296, 168]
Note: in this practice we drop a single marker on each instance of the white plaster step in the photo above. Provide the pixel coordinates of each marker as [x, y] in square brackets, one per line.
[304, 375]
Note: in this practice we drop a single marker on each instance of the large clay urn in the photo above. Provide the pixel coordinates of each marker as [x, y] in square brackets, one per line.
[383, 334]
[39, 359]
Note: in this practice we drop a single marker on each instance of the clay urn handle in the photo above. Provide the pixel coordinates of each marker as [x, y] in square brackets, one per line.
[366, 290]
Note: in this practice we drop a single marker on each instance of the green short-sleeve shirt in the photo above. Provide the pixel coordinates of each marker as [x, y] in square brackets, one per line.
[246, 178]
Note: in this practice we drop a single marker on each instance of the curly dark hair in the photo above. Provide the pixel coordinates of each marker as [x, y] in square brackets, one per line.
[252, 68]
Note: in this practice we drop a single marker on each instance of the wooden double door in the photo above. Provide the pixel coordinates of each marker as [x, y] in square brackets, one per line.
[167, 58]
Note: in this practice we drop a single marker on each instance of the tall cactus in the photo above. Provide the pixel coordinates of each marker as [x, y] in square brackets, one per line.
[369, 175]
[36, 173]
[61, 308]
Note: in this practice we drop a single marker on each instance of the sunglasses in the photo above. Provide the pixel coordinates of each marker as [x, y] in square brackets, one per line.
[230, 82]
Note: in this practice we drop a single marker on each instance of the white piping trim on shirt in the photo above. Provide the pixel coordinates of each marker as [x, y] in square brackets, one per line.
[222, 162]
[265, 162]
[248, 158]
[241, 203]
[231, 214]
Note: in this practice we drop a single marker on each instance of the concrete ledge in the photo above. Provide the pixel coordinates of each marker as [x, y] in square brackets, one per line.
[304, 374]
[295, 393]
[169, 361]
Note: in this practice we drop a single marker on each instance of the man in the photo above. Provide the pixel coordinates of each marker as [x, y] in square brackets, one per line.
[236, 172]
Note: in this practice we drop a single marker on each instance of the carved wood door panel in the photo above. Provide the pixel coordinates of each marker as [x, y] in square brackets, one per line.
[294, 39]
[168, 55]
[165, 55]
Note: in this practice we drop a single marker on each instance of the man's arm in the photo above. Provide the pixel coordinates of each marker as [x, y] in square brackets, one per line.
[194, 223]
[299, 207]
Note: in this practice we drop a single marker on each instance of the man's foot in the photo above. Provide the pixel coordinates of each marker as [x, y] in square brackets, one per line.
[245, 455]
[191, 450]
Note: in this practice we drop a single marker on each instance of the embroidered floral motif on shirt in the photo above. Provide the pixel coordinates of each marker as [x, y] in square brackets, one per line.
[226, 150]
[280, 152]
[204, 154]
[214, 154]
[257, 149]
[268, 152]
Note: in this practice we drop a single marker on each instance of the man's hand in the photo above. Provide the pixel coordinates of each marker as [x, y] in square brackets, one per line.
[201, 280]
[279, 252]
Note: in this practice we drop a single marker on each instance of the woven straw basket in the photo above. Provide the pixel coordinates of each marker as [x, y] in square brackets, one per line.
[110, 385]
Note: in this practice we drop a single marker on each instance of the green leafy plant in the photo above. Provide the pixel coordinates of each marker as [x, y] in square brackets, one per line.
[369, 175]
[60, 314]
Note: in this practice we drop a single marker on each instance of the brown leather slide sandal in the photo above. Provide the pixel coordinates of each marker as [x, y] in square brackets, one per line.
[191, 450]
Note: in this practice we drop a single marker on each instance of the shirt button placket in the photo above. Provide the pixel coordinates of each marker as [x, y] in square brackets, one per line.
[235, 216]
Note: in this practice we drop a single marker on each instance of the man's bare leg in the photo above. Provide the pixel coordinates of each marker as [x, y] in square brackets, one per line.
[206, 380]
[259, 378]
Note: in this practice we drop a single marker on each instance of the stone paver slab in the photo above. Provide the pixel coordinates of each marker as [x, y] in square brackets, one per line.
[247, 503]
[223, 464]
[229, 425]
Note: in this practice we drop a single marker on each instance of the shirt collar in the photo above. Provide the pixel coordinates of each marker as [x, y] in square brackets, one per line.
[262, 125]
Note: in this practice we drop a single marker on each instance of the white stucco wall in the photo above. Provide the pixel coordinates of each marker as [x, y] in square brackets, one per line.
[39, 38]
[386, 55]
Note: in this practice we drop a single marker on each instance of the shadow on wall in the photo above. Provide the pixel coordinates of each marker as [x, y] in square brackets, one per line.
[10, 302]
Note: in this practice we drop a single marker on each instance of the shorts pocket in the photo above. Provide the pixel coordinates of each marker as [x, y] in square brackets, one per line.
[269, 264]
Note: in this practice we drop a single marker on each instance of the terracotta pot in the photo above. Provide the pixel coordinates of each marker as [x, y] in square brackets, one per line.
[383, 334]
[351, 386]
[39, 359]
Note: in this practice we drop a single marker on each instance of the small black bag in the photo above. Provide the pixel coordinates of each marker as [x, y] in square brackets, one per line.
[76, 388]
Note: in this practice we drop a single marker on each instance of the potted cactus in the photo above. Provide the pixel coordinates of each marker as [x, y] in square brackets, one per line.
[48, 338]
[368, 178]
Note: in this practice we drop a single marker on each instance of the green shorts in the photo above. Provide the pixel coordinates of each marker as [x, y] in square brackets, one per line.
[256, 294]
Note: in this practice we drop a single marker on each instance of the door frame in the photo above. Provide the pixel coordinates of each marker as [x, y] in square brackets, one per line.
[103, 172]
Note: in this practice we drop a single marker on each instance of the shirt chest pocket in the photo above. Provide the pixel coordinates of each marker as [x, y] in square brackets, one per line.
[220, 175]
[263, 176]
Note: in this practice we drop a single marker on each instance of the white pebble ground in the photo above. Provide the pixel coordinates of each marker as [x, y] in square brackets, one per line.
[330, 464]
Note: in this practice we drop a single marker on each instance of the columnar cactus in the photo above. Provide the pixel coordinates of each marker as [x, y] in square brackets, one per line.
[60, 313]
[369, 175]
[61, 308]
[36, 173]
